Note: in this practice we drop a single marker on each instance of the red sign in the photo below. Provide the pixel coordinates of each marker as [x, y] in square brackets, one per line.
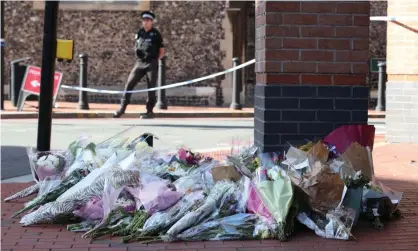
[32, 81]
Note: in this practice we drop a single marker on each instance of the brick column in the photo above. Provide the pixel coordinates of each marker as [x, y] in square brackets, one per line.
[402, 69]
[311, 67]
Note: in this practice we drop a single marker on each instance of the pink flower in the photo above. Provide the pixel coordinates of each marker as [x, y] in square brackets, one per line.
[182, 153]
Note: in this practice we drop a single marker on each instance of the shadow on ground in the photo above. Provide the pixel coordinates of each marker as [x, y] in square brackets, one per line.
[14, 162]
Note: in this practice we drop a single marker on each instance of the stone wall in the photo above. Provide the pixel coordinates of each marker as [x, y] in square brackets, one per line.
[192, 32]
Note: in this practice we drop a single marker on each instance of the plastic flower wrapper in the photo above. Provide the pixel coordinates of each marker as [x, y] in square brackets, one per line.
[232, 202]
[336, 224]
[235, 227]
[211, 205]
[45, 164]
[160, 222]
[150, 161]
[246, 161]
[120, 215]
[325, 188]
[342, 167]
[255, 204]
[85, 183]
[116, 141]
[380, 201]
[71, 201]
[53, 163]
[93, 157]
[277, 196]
[51, 190]
[265, 228]
[93, 210]
[24, 193]
[155, 194]
[197, 179]
[344, 136]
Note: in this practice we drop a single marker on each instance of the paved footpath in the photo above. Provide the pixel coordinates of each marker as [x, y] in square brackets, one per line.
[69, 110]
[395, 165]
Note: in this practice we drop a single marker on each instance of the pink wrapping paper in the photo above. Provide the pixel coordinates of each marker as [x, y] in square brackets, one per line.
[155, 196]
[344, 136]
[254, 203]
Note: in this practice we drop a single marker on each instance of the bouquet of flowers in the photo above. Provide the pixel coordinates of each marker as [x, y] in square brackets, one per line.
[118, 219]
[52, 195]
[211, 204]
[155, 194]
[67, 204]
[336, 224]
[160, 222]
[235, 227]
[265, 228]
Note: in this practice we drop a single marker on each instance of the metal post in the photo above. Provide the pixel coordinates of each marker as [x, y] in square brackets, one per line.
[82, 97]
[161, 102]
[381, 91]
[235, 104]
[2, 56]
[49, 51]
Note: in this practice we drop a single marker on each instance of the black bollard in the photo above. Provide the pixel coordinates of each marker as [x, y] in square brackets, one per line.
[49, 50]
[149, 138]
[235, 104]
[381, 91]
[82, 98]
[161, 102]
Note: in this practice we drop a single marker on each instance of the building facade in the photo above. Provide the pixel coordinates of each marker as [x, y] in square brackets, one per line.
[201, 38]
[402, 70]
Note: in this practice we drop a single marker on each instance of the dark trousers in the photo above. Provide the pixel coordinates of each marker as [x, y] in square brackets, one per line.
[141, 69]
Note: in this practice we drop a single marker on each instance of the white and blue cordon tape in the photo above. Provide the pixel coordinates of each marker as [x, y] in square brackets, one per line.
[162, 87]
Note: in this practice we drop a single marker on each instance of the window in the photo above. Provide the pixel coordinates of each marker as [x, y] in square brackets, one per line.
[139, 5]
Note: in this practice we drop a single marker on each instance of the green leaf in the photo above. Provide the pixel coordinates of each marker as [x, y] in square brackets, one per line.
[91, 147]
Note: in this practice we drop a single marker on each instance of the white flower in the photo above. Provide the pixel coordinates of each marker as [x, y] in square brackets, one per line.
[48, 161]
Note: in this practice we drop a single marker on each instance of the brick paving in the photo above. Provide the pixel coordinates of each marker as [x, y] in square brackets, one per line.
[396, 165]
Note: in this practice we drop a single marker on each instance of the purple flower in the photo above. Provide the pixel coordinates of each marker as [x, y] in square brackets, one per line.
[129, 208]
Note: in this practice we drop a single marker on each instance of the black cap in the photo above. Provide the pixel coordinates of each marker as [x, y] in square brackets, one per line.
[147, 14]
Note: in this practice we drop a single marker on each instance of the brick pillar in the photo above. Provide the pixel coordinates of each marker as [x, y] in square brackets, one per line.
[402, 69]
[311, 67]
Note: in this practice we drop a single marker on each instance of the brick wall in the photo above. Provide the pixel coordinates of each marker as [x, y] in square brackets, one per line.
[192, 32]
[313, 43]
[402, 42]
[311, 69]
[402, 69]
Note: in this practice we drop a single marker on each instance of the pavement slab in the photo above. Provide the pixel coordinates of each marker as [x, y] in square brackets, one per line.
[70, 110]
[395, 165]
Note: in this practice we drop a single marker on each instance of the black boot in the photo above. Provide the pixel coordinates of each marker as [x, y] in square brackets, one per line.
[120, 112]
[147, 115]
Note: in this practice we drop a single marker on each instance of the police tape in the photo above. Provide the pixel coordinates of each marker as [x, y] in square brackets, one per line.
[161, 87]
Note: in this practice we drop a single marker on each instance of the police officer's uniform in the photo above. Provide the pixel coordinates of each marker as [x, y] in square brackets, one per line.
[147, 49]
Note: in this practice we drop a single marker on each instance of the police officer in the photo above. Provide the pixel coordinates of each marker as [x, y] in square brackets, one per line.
[149, 49]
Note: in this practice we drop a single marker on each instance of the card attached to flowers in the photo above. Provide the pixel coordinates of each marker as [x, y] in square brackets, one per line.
[225, 173]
